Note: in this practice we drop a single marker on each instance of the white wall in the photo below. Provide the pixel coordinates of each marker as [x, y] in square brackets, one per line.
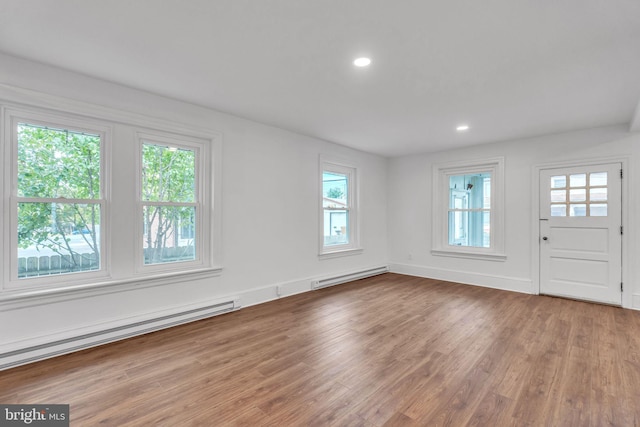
[410, 208]
[269, 215]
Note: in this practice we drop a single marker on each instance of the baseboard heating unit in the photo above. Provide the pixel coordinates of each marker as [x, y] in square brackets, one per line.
[82, 341]
[348, 277]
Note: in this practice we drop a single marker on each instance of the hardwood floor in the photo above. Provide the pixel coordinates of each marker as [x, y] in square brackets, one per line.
[390, 350]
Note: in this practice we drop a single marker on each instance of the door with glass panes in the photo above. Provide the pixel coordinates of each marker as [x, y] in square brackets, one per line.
[580, 232]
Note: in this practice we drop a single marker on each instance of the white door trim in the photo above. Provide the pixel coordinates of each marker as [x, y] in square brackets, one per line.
[627, 292]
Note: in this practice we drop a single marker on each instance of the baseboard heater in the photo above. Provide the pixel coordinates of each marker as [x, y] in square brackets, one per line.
[343, 278]
[56, 348]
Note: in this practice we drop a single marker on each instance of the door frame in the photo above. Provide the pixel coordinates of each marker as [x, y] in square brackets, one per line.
[627, 292]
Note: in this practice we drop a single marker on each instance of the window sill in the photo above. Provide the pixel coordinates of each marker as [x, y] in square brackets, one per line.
[340, 253]
[21, 298]
[470, 255]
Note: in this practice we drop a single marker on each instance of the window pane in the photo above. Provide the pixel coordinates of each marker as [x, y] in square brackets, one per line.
[336, 227]
[598, 209]
[577, 210]
[57, 163]
[486, 229]
[470, 191]
[487, 193]
[168, 174]
[187, 227]
[335, 189]
[57, 238]
[578, 180]
[558, 210]
[163, 237]
[579, 195]
[459, 199]
[558, 195]
[598, 178]
[470, 228]
[458, 228]
[559, 181]
[598, 194]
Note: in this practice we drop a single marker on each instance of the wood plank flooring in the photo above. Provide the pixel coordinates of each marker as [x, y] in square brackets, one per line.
[390, 350]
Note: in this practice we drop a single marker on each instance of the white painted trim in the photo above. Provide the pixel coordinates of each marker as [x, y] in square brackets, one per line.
[28, 298]
[636, 302]
[351, 170]
[627, 279]
[295, 287]
[337, 279]
[340, 253]
[18, 353]
[44, 347]
[471, 255]
[515, 284]
[62, 120]
[440, 192]
[203, 180]
[268, 293]
[20, 97]
[18, 102]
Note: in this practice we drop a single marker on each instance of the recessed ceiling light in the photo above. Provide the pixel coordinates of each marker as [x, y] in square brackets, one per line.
[362, 62]
[462, 128]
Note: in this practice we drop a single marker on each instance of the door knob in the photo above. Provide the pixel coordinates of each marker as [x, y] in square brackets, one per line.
[545, 238]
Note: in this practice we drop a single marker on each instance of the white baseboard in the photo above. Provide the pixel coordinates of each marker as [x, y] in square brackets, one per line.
[635, 304]
[337, 279]
[514, 284]
[43, 347]
[40, 348]
[292, 288]
[281, 290]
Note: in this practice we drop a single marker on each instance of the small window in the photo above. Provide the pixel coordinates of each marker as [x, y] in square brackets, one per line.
[335, 201]
[468, 209]
[585, 196]
[339, 211]
[170, 202]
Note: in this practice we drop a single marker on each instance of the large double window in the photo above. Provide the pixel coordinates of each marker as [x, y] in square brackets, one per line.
[69, 210]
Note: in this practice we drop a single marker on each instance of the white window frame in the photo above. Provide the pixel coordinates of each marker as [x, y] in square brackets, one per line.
[11, 117]
[440, 225]
[203, 163]
[350, 170]
[119, 271]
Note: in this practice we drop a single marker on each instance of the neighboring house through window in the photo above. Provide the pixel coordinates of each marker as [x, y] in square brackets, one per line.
[469, 209]
[339, 218]
[61, 225]
[58, 204]
[171, 205]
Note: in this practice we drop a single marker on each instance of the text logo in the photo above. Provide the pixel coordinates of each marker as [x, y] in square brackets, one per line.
[34, 415]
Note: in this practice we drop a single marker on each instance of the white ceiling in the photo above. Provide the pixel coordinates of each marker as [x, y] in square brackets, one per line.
[508, 68]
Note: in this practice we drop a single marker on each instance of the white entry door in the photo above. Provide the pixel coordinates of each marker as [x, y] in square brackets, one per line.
[581, 232]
